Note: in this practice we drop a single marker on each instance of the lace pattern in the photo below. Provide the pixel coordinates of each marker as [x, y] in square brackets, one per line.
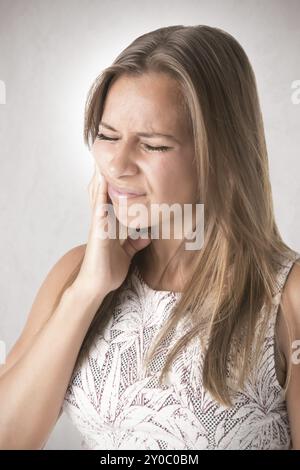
[115, 405]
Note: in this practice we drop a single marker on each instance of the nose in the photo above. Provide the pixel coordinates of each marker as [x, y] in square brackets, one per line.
[121, 162]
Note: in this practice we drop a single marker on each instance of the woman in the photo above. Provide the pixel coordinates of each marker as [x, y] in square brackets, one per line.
[146, 344]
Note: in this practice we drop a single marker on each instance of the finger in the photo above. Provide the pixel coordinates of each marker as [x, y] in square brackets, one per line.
[102, 183]
[101, 196]
[91, 191]
[92, 186]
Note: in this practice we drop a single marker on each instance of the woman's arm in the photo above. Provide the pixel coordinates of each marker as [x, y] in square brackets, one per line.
[44, 302]
[291, 311]
[34, 379]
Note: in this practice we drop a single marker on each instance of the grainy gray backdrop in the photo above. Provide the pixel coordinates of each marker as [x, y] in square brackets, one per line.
[50, 52]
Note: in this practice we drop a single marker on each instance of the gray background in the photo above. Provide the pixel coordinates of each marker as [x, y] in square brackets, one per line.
[50, 52]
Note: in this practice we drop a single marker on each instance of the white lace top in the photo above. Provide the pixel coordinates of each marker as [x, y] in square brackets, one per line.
[116, 406]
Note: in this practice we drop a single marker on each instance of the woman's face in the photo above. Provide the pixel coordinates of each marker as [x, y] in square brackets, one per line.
[157, 167]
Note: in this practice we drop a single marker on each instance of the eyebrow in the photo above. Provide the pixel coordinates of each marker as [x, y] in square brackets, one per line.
[142, 134]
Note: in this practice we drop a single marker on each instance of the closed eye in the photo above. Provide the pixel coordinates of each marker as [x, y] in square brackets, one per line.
[104, 137]
[161, 148]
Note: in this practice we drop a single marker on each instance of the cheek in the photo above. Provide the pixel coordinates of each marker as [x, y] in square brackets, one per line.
[162, 176]
[176, 179]
[170, 172]
[100, 155]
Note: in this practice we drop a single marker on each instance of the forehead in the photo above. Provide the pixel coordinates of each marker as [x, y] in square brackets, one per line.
[151, 99]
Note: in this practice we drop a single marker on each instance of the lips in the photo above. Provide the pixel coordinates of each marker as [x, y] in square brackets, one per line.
[120, 193]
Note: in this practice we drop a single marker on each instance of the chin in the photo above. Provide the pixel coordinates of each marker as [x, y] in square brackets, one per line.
[137, 220]
[132, 222]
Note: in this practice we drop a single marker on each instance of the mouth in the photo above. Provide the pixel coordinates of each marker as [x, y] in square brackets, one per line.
[115, 193]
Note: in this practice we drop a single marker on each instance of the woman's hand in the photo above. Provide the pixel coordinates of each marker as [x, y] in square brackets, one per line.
[106, 261]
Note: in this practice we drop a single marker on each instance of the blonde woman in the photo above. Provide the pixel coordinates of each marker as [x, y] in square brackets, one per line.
[147, 345]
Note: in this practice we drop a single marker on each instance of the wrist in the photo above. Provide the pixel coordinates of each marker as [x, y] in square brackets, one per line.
[83, 296]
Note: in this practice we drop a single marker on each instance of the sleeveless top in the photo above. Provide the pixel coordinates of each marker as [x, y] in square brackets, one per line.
[116, 405]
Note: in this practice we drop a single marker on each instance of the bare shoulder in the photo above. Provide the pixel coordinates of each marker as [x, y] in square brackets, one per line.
[57, 276]
[62, 269]
[290, 344]
[289, 311]
[293, 279]
[291, 297]
[44, 301]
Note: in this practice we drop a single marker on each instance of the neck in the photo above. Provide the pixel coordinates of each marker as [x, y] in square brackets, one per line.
[167, 262]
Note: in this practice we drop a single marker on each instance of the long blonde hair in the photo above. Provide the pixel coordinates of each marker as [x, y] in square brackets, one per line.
[236, 268]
